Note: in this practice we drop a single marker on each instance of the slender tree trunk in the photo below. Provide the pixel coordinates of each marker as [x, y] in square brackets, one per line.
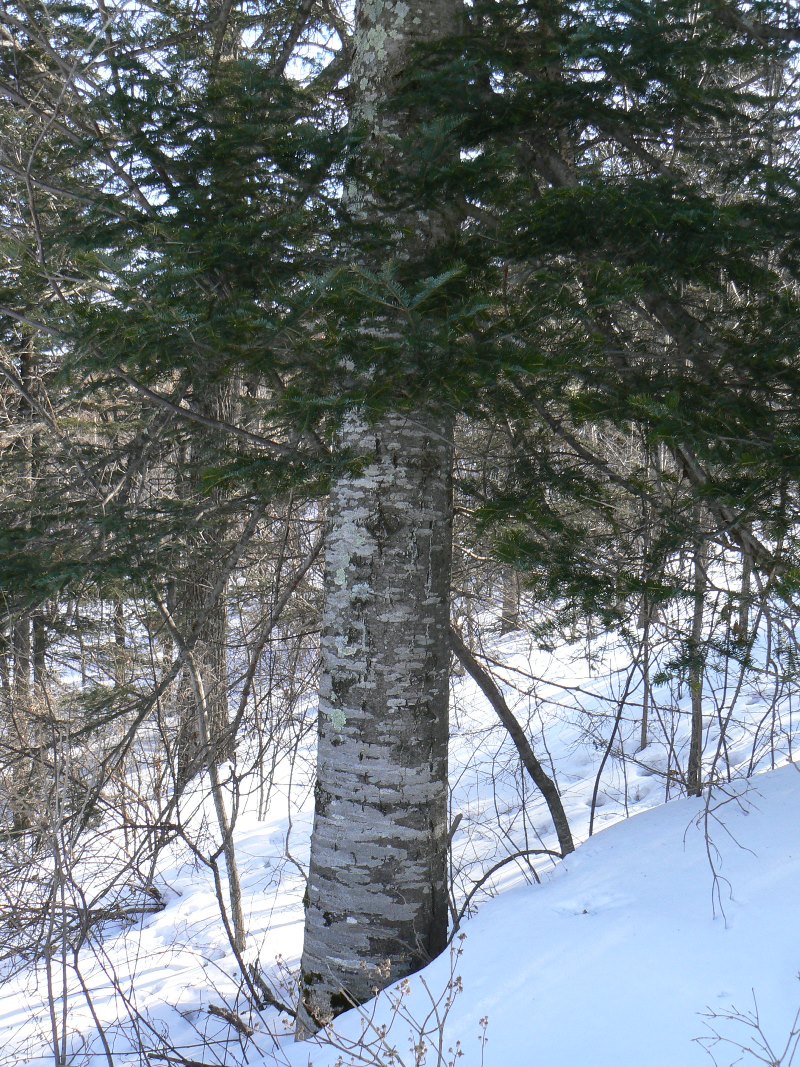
[542, 780]
[22, 732]
[22, 727]
[5, 673]
[509, 614]
[743, 621]
[643, 733]
[694, 773]
[39, 653]
[120, 671]
[204, 551]
[22, 690]
[646, 612]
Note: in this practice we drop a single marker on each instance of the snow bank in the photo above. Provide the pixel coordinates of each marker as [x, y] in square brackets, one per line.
[617, 958]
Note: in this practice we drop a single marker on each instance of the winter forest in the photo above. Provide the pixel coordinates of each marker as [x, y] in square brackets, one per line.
[400, 490]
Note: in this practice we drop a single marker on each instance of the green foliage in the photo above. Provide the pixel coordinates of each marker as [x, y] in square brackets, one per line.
[615, 186]
[631, 181]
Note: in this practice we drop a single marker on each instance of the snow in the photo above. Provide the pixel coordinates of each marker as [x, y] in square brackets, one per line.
[661, 931]
[615, 958]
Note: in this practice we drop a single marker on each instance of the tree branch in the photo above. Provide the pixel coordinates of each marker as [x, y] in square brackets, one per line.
[543, 782]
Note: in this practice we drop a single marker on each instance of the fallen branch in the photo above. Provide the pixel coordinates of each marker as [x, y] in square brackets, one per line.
[232, 1019]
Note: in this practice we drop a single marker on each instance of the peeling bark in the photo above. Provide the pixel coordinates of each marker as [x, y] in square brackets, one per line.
[377, 892]
[377, 907]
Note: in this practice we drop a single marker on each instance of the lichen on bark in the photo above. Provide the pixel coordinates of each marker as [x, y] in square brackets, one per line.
[377, 884]
[377, 888]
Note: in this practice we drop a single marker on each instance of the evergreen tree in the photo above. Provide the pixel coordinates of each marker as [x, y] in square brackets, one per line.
[634, 201]
[181, 181]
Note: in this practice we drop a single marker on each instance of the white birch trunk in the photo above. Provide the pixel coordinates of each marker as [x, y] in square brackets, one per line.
[377, 893]
[376, 907]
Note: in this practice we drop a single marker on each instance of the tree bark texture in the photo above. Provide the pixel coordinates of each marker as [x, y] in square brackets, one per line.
[377, 892]
[376, 907]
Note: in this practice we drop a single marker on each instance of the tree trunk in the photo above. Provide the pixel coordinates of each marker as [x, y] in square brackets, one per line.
[377, 901]
[509, 613]
[742, 625]
[204, 733]
[21, 729]
[204, 553]
[377, 892]
[694, 773]
[210, 657]
[543, 782]
[643, 737]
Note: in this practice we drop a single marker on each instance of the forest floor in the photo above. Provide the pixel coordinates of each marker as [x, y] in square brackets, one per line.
[668, 939]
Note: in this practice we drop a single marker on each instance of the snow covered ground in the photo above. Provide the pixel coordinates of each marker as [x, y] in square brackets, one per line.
[654, 944]
[622, 956]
